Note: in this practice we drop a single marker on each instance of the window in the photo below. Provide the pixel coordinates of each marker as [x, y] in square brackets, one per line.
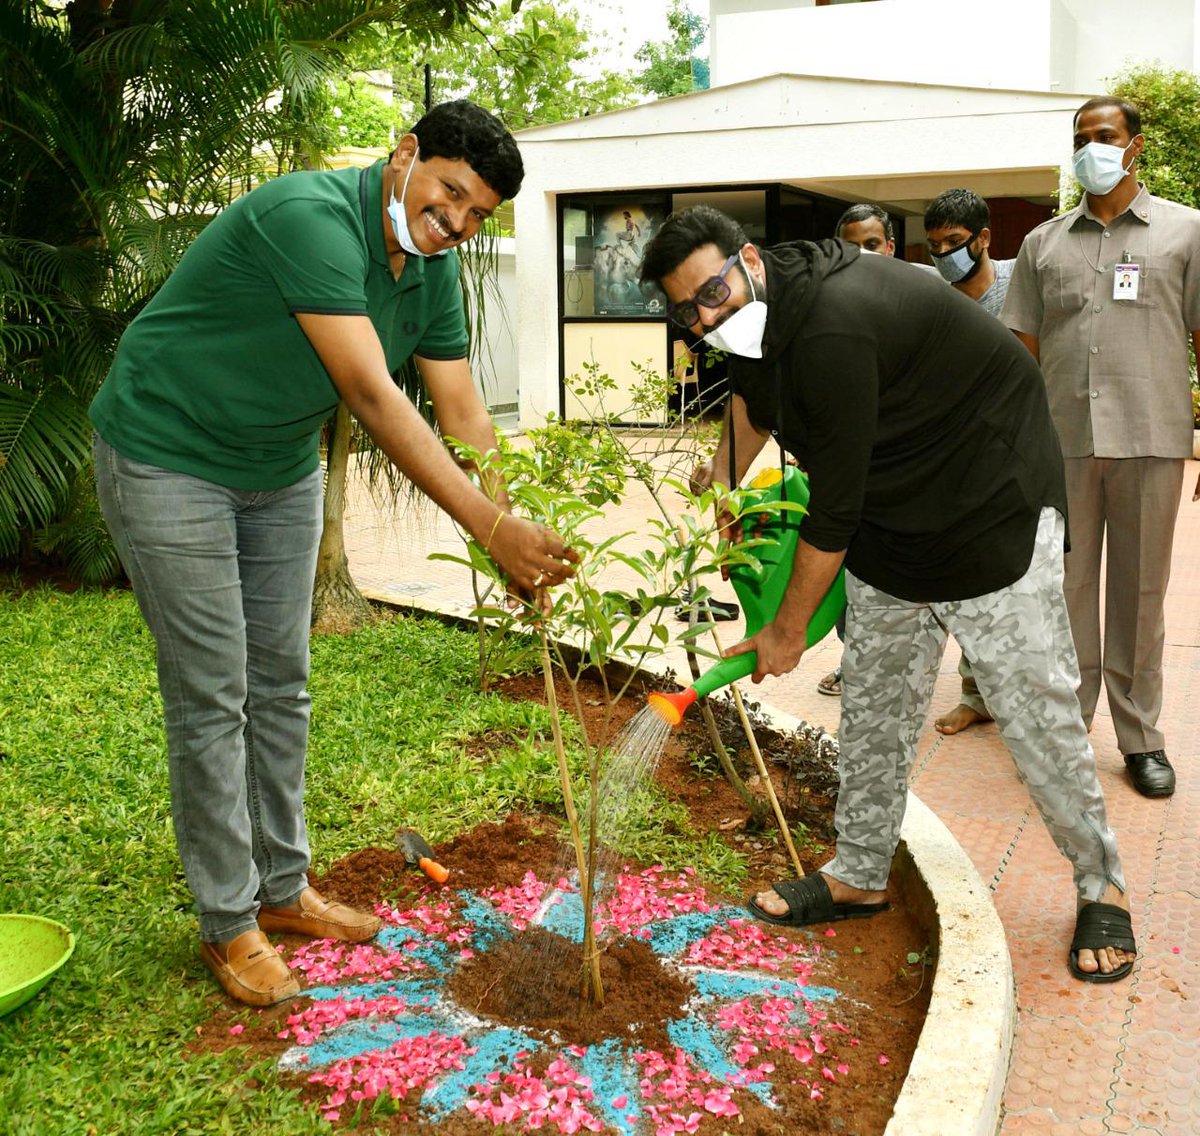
[603, 239]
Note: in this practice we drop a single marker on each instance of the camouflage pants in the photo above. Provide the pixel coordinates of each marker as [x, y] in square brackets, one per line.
[970, 695]
[1019, 640]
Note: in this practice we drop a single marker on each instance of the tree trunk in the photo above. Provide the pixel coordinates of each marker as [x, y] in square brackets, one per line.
[338, 606]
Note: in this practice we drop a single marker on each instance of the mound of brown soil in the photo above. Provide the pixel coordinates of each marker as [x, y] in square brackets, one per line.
[842, 1076]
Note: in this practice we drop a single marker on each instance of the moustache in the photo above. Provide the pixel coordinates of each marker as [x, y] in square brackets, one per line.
[444, 223]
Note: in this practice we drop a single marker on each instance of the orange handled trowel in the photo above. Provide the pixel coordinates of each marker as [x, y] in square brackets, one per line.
[418, 853]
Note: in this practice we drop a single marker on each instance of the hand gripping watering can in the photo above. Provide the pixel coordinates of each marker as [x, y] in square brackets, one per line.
[761, 589]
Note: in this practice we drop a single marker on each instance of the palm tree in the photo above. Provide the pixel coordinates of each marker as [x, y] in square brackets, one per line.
[125, 125]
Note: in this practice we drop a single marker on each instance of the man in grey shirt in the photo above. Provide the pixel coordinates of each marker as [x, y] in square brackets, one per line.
[1105, 297]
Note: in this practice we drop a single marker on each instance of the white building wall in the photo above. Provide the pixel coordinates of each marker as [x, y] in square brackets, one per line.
[1037, 45]
[494, 361]
[1113, 34]
[957, 42]
[855, 140]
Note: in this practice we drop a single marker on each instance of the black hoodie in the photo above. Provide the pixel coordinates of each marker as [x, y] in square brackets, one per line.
[922, 421]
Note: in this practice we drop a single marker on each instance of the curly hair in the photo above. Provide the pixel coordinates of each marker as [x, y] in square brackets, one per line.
[461, 130]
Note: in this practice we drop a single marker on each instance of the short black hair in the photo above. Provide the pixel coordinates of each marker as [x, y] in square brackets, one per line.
[462, 131]
[1131, 114]
[958, 208]
[683, 233]
[856, 214]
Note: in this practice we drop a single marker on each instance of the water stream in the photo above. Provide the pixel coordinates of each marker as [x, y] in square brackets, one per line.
[623, 795]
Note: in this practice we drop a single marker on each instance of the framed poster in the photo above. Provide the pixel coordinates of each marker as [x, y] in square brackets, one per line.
[621, 233]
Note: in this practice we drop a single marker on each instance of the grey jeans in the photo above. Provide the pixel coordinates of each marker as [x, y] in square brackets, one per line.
[224, 580]
[1019, 642]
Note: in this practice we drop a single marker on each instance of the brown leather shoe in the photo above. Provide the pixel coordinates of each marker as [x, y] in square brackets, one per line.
[251, 971]
[319, 918]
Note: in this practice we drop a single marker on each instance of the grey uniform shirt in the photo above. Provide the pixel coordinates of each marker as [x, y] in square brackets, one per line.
[1116, 370]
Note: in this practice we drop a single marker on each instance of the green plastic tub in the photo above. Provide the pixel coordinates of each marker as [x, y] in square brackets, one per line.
[32, 949]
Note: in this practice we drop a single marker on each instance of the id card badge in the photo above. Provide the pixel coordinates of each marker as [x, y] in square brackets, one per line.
[1126, 281]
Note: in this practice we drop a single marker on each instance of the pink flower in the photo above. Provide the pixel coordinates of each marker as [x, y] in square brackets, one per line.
[884, 1059]
[718, 1103]
[235, 1030]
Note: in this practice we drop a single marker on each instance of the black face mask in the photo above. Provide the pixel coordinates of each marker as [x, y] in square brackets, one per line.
[958, 265]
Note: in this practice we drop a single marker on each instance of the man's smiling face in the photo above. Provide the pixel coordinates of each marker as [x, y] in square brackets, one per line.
[446, 201]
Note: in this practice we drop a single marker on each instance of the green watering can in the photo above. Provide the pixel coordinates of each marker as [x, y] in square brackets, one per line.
[761, 589]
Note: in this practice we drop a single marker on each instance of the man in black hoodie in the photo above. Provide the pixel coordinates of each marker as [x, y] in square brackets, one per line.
[936, 478]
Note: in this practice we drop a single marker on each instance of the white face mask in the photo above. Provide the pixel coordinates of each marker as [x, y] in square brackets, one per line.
[742, 333]
[957, 264]
[1099, 168]
[400, 219]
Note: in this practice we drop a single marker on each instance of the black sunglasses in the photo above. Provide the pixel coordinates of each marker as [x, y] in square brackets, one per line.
[711, 294]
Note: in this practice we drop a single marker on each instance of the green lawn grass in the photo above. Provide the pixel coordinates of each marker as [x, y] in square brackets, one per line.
[85, 838]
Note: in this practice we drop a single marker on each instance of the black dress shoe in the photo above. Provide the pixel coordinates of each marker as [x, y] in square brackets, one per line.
[1151, 773]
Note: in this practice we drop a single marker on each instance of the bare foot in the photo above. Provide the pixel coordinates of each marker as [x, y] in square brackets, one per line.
[1107, 959]
[774, 904]
[959, 718]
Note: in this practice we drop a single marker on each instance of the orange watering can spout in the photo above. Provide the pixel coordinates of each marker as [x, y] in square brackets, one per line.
[672, 707]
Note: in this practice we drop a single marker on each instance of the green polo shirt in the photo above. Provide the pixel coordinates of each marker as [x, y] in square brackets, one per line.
[216, 379]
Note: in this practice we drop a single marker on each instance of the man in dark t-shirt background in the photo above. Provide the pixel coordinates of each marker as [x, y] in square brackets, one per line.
[936, 478]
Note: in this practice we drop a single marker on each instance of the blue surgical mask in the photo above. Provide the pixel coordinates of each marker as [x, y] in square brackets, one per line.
[1099, 167]
[395, 211]
[958, 264]
[742, 333]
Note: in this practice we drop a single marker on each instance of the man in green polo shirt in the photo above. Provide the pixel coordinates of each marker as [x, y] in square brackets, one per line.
[312, 289]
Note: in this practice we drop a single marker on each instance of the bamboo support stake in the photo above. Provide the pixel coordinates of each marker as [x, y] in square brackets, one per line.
[681, 537]
[762, 769]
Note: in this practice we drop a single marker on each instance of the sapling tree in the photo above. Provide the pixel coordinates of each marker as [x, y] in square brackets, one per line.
[670, 460]
[562, 478]
[567, 477]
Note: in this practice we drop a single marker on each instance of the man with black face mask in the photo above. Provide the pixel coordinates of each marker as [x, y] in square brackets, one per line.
[935, 476]
[958, 232]
[1105, 297]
